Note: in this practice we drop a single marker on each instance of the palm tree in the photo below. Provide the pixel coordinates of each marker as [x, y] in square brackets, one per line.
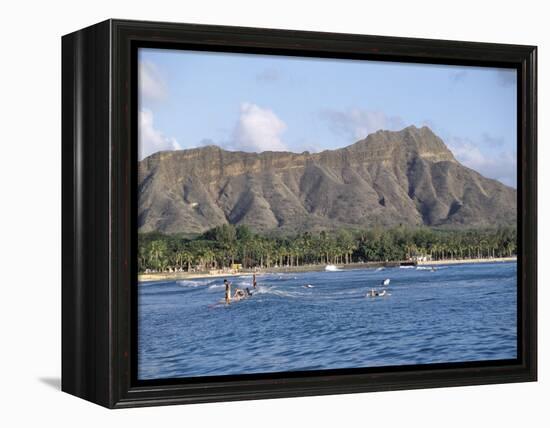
[158, 254]
[186, 257]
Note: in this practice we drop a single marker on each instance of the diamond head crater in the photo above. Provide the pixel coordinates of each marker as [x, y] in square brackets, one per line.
[408, 177]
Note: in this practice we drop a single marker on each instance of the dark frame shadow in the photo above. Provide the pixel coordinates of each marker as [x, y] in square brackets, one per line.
[53, 382]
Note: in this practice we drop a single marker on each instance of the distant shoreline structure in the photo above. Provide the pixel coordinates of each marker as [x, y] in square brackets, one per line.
[172, 276]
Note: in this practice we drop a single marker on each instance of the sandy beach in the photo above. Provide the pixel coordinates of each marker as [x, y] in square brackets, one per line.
[163, 276]
[170, 276]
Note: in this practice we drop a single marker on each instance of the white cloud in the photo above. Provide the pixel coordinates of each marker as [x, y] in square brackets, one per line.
[258, 130]
[151, 84]
[458, 76]
[269, 75]
[356, 124]
[492, 141]
[500, 166]
[151, 140]
[506, 77]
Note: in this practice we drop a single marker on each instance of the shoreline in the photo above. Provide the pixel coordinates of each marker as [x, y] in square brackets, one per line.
[297, 269]
[468, 261]
[172, 276]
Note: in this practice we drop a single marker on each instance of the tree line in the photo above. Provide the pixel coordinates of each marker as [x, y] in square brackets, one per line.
[225, 245]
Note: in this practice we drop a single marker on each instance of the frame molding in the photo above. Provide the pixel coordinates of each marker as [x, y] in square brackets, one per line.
[98, 212]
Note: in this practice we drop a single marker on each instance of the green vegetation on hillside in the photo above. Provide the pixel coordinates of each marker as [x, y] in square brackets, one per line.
[225, 245]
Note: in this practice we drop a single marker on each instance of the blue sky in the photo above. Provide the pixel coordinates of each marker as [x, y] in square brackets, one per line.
[258, 102]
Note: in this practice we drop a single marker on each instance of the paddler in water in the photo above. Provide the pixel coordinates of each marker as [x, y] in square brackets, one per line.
[239, 294]
[227, 291]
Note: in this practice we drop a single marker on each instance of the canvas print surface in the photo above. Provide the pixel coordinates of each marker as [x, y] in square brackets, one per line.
[300, 214]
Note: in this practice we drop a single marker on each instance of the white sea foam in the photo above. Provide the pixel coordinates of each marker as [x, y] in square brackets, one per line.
[277, 292]
[431, 267]
[190, 283]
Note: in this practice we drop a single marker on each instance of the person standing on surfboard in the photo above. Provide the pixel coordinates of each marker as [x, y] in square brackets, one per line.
[227, 291]
[254, 280]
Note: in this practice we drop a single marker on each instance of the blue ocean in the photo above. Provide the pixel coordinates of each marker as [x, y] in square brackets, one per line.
[323, 320]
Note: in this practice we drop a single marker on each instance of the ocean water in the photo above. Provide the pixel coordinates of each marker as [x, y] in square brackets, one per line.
[457, 313]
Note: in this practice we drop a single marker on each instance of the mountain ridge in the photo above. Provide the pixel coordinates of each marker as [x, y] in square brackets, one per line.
[388, 178]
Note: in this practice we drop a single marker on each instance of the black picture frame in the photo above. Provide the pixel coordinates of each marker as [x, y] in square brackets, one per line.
[99, 232]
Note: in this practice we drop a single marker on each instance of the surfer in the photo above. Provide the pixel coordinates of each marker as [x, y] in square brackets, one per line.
[227, 291]
[254, 280]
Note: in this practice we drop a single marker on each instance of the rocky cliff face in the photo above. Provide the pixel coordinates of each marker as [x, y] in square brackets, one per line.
[407, 177]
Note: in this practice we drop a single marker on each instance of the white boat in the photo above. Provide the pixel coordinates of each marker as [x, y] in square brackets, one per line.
[331, 268]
